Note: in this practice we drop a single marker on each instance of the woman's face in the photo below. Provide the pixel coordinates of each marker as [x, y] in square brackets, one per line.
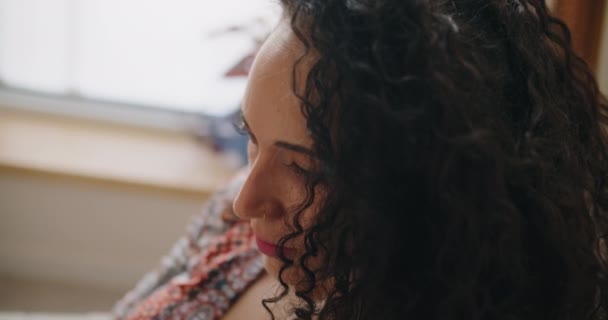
[279, 148]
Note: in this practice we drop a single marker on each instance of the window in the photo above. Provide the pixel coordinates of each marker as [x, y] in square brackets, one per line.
[181, 55]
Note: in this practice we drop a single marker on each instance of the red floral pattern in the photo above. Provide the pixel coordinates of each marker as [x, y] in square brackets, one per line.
[218, 275]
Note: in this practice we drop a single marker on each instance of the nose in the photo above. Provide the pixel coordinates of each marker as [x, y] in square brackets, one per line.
[257, 198]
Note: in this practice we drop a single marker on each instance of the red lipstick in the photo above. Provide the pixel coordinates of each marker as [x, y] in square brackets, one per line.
[271, 249]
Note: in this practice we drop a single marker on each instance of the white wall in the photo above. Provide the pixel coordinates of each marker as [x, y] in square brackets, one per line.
[84, 232]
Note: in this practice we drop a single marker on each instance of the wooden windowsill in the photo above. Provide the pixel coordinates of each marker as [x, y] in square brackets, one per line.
[109, 153]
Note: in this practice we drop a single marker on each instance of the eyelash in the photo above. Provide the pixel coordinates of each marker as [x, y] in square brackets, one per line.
[297, 169]
[240, 128]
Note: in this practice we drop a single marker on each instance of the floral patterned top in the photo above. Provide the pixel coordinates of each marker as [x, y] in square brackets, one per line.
[205, 272]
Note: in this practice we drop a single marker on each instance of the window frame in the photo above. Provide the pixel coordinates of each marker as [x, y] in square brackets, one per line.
[75, 106]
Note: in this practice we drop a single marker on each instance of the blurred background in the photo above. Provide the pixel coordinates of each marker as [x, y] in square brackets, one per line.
[116, 125]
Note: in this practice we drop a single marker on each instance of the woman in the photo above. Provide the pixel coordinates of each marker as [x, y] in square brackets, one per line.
[439, 159]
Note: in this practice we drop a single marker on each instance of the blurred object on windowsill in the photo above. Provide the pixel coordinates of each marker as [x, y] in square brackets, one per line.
[220, 131]
[258, 30]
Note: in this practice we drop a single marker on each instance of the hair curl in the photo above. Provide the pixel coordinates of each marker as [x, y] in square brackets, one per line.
[462, 147]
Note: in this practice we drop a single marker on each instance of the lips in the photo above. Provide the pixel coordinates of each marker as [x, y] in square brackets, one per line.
[270, 249]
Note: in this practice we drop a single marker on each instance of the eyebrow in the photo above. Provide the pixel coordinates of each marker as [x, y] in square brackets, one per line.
[279, 143]
[293, 147]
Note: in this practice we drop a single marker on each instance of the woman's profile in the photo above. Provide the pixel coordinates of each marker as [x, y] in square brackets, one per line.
[439, 159]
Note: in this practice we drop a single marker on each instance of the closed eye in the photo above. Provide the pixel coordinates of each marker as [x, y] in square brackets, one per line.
[296, 168]
[243, 128]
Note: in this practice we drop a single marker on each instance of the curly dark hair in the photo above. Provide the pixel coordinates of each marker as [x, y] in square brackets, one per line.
[462, 149]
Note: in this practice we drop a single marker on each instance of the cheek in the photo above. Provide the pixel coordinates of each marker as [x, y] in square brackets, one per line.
[296, 194]
[309, 217]
[295, 274]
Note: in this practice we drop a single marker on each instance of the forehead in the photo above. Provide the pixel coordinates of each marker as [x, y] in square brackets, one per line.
[269, 104]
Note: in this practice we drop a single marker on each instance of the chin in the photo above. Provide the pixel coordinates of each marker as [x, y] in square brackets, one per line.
[294, 277]
[273, 267]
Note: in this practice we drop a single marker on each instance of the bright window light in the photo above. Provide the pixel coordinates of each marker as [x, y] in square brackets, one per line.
[173, 54]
